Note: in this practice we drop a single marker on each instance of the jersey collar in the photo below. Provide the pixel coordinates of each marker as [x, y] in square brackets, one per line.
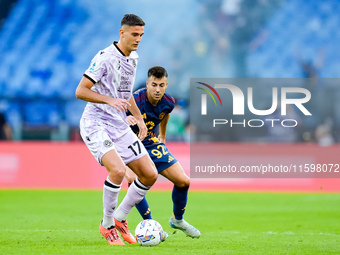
[115, 44]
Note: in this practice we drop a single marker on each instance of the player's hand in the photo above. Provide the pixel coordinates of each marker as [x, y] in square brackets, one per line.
[131, 120]
[143, 130]
[119, 104]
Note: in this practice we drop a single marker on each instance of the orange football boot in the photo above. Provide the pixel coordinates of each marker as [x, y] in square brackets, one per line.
[111, 235]
[125, 232]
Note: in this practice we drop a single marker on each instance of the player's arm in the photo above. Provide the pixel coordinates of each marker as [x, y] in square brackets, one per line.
[133, 108]
[162, 128]
[85, 93]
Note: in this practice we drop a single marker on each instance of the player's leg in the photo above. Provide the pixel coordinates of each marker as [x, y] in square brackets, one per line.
[129, 175]
[116, 169]
[168, 166]
[134, 154]
[145, 170]
[181, 181]
[143, 206]
[146, 173]
[102, 148]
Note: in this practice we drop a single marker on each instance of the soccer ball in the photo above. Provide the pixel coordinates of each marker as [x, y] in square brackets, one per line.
[149, 233]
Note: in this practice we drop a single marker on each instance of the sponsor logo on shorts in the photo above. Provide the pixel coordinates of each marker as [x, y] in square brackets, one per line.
[170, 159]
[107, 143]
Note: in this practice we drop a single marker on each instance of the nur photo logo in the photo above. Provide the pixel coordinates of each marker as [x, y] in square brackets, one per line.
[204, 97]
[281, 99]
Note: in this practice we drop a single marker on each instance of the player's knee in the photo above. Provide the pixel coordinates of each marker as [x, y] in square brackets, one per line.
[117, 173]
[154, 176]
[185, 182]
[149, 179]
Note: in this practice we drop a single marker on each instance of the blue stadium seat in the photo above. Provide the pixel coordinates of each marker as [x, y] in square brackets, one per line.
[13, 114]
[35, 114]
[314, 26]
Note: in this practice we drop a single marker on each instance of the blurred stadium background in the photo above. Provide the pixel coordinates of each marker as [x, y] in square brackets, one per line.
[45, 46]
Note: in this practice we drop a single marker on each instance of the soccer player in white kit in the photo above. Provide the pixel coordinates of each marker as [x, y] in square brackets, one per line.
[107, 85]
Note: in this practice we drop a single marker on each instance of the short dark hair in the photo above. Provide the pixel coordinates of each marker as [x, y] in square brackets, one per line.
[132, 20]
[158, 72]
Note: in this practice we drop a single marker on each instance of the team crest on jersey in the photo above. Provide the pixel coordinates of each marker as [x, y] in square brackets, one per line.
[161, 116]
[107, 143]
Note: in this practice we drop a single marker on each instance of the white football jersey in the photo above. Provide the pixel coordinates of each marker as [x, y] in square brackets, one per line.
[113, 74]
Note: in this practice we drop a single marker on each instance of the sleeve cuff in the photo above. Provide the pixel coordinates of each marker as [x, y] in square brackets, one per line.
[88, 77]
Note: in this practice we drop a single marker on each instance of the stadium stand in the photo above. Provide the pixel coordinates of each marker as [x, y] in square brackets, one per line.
[297, 37]
[45, 46]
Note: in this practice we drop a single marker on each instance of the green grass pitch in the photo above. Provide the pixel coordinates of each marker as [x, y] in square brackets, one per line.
[66, 222]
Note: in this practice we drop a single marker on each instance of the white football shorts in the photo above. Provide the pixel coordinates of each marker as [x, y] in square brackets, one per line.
[99, 139]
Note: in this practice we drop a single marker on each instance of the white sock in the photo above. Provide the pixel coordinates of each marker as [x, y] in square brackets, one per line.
[108, 222]
[110, 199]
[135, 194]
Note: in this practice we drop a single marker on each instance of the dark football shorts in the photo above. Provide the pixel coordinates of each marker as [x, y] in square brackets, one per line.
[161, 156]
